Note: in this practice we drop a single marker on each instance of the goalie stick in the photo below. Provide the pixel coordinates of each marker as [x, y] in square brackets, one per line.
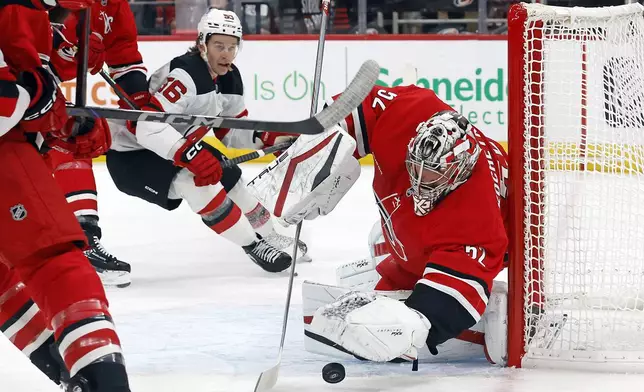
[354, 94]
[268, 378]
[255, 154]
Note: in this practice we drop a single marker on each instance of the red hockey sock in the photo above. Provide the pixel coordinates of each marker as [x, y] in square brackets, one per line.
[226, 219]
[76, 179]
[85, 334]
[59, 276]
[21, 320]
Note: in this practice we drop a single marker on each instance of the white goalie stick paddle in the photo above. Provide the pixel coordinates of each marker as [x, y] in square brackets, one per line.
[354, 94]
[268, 378]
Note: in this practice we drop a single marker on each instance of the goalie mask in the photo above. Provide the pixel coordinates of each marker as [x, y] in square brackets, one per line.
[440, 157]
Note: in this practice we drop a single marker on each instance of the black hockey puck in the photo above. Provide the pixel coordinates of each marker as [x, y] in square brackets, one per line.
[333, 373]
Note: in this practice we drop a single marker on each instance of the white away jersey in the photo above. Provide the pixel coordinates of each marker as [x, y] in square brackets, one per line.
[184, 85]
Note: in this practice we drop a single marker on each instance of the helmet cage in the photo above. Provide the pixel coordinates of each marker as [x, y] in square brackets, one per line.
[439, 159]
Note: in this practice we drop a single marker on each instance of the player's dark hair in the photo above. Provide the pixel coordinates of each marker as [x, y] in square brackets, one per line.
[195, 48]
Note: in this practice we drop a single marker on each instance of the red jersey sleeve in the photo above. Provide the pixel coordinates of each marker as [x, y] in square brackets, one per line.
[14, 100]
[361, 123]
[122, 54]
[29, 39]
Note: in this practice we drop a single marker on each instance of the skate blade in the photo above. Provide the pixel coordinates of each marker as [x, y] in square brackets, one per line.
[304, 259]
[115, 279]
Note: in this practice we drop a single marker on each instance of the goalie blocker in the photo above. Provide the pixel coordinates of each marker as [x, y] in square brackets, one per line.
[309, 179]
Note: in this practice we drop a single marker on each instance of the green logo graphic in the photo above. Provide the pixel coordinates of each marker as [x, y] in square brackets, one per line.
[461, 92]
[294, 86]
[480, 94]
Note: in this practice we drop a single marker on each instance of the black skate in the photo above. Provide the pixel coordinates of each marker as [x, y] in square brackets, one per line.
[112, 271]
[99, 377]
[267, 256]
[285, 244]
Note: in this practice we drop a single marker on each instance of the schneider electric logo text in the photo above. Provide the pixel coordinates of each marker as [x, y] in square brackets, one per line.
[481, 97]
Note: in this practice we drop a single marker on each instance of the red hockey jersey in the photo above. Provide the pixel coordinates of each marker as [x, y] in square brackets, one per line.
[114, 21]
[450, 256]
[29, 41]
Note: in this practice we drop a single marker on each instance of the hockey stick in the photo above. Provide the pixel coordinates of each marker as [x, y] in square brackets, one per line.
[268, 378]
[118, 90]
[228, 163]
[342, 107]
[255, 154]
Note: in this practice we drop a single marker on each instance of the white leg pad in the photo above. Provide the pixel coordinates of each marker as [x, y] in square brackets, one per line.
[495, 324]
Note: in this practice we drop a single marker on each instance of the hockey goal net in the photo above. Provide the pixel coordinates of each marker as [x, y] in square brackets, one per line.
[576, 144]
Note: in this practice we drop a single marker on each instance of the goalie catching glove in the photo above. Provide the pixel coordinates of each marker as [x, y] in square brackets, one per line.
[372, 326]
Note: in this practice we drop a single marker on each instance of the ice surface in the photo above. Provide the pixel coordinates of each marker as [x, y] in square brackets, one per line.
[201, 317]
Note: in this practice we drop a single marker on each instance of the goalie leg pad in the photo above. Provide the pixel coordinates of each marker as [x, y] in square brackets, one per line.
[361, 274]
[495, 324]
[372, 326]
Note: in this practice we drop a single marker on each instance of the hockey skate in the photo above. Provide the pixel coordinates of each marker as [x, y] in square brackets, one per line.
[112, 271]
[285, 244]
[268, 257]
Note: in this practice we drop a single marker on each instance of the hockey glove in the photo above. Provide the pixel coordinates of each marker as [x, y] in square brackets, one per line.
[372, 326]
[140, 99]
[72, 5]
[270, 139]
[96, 55]
[46, 110]
[85, 138]
[197, 156]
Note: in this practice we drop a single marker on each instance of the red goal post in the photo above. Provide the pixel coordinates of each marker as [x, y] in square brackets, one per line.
[576, 147]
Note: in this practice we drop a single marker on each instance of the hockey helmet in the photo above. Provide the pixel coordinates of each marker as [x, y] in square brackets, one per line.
[217, 21]
[440, 157]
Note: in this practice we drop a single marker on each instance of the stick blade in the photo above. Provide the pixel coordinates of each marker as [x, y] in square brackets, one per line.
[267, 379]
[352, 96]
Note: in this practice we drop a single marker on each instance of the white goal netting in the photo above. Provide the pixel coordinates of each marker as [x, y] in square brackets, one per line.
[584, 184]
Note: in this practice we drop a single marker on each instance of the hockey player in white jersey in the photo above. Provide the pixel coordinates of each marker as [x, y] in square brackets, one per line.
[166, 164]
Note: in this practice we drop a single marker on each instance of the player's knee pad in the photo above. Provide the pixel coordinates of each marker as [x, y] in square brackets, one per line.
[495, 324]
[45, 272]
[201, 199]
[361, 274]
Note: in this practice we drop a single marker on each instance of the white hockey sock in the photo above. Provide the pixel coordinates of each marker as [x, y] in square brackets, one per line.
[257, 214]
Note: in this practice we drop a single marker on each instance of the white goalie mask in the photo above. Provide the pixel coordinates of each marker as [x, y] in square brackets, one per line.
[440, 157]
[221, 22]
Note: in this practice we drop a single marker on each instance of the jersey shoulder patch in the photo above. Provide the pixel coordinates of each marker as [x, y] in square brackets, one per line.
[196, 68]
[231, 83]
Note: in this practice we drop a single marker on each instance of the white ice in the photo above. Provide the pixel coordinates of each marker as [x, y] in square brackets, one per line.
[200, 317]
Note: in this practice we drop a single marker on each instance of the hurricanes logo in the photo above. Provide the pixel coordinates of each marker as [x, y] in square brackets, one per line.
[108, 22]
[388, 226]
